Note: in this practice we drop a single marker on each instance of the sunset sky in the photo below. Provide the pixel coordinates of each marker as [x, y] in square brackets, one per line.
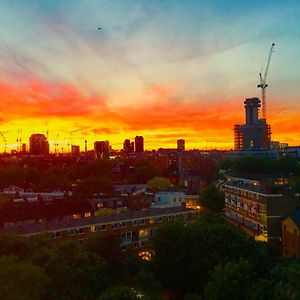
[161, 69]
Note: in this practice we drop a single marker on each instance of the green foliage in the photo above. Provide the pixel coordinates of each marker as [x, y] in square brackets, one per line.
[212, 198]
[55, 178]
[286, 280]
[186, 254]
[21, 280]
[148, 284]
[108, 248]
[120, 293]
[92, 185]
[257, 165]
[296, 185]
[228, 279]
[14, 245]
[159, 183]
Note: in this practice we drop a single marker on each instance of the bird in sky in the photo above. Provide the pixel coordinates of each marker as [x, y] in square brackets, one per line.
[99, 28]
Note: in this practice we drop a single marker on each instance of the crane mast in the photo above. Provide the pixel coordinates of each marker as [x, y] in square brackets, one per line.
[263, 82]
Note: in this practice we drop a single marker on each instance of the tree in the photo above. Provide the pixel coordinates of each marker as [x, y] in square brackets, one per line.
[296, 185]
[285, 278]
[75, 274]
[21, 280]
[212, 198]
[185, 254]
[159, 183]
[92, 185]
[120, 293]
[228, 279]
[108, 248]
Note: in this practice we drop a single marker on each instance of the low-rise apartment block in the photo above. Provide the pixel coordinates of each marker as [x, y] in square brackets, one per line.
[258, 206]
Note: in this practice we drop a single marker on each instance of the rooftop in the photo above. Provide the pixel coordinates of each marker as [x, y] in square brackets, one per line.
[94, 220]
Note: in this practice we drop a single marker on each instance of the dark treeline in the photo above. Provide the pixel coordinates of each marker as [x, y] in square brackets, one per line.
[206, 259]
[286, 166]
[65, 173]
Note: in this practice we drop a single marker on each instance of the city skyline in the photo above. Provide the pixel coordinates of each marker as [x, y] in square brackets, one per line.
[162, 70]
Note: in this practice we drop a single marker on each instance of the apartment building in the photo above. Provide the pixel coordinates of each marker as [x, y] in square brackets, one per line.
[134, 227]
[291, 235]
[258, 206]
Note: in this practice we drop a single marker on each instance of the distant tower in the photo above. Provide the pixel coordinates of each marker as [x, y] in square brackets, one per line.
[75, 150]
[139, 144]
[181, 145]
[38, 144]
[85, 146]
[128, 146]
[255, 134]
[102, 149]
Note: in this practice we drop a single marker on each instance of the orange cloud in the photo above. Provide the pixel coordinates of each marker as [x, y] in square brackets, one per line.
[77, 115]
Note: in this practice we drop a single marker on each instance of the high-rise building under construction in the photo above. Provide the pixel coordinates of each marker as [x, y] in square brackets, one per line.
[256, 133]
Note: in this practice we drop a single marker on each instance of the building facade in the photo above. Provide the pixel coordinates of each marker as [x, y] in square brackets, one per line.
[258, 207]
[255, 133]
[102, 149]
[38, 144]
[291, 235]
[139, 144]
[181, 145]
[134, 227]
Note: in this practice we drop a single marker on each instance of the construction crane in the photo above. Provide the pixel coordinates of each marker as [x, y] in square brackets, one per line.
[263, 82]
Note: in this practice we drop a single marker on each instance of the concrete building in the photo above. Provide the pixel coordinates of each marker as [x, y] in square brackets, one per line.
[255, 134]
[139, 144]
[134, 227]
[181, 145]
[38, 144]
[258, 206]
[291, 235]
[102, 149]
[168, 199]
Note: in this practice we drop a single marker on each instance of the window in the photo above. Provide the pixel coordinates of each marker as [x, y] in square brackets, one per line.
[115, 225]
[87, 214]
[174, 199]
[80, 231]
[122, 224]
[103, 227]
[152, 230]
[135, 245]
[151, 220]
[142, 222]
[71, 232]
[76, 216]
[56, 234]
[143, 232]
[134, 222]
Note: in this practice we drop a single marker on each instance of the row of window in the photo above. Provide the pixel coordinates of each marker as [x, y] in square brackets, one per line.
[103, 227]
[245, 193]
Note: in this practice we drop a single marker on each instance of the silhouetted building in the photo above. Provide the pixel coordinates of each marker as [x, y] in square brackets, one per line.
[38, 144]
[128, 146]
[102, 149]
[75, 150]
[181, 145]
[139, 144]
[255, 134]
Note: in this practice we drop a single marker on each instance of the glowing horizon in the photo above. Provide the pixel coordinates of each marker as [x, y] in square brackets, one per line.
[164, 70]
